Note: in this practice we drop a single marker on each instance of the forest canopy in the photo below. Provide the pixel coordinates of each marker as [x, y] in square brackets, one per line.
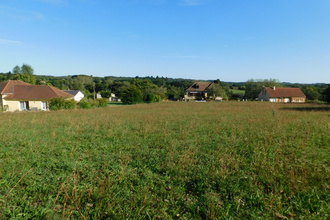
[153, 89]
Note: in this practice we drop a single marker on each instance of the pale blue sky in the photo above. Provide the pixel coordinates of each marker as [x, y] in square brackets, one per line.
[233, 40]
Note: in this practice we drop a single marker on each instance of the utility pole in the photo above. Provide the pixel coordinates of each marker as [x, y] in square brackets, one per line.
[163, 85]
[94, 89]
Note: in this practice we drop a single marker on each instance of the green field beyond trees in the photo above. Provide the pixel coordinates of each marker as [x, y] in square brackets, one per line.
[167, 161]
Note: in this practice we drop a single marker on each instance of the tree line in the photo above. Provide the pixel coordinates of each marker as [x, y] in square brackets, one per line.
[153, 89]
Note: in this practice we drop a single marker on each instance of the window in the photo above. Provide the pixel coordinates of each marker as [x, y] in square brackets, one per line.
[24, 106]
[44, 105]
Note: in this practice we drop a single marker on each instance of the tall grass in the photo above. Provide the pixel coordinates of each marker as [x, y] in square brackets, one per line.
[166, 161]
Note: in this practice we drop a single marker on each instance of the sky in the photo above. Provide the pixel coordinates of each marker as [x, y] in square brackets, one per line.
[230, 40]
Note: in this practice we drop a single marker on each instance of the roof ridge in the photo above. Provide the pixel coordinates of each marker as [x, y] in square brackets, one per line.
[59, 92]
[209, 85]
[282, 87]
[12, 82]
[54, 90]
[4, 88]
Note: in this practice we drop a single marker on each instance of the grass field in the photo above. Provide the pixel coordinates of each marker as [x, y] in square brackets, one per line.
[166, 161]
[237, 91]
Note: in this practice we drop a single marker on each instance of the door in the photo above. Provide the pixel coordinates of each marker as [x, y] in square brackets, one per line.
[24, 106]
[44, 105]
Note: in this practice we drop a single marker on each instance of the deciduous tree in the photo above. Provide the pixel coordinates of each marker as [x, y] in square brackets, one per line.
[311, 93]
[326, 94]
[24, 73]
[254, 87]
[27, 69]
[132, 95]
[218, 91]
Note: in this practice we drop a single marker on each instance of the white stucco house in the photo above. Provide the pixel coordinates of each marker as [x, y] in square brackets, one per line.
[114, 98]
[16, 95]
[287, 95]
[98, 96]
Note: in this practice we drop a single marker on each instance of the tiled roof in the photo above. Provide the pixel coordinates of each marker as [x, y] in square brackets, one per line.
[43, 92]
[199, 87]
[7, 86]
[72, 92]
[285, 92]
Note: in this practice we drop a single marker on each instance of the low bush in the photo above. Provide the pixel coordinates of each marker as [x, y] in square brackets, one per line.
[70, 104]
[56, 103]
[316, 101]
[102, 102]
[158, 98]
[151, 98]
[85, 104]
[61, 103]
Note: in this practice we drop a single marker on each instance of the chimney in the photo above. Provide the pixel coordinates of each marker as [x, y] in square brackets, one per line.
[274, 88]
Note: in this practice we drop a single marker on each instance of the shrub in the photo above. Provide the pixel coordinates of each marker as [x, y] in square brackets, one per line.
[70, 104]
[315, 101]
[102, 102]
[56, 103]
[92, 102]
[84, 104]
[60, 103]
[150, 98]
[158, 98]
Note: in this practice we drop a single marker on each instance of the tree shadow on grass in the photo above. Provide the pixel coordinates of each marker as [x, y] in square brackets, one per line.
[308, 109]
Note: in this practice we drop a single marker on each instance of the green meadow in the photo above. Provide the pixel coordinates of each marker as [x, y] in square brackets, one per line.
[236, 91]
[214, 160]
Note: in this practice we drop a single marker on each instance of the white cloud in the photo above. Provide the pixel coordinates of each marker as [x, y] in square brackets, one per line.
[20, 14]
[190, 2]
[10, 42]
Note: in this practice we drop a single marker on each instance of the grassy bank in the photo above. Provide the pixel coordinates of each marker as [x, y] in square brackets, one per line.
[166, 160]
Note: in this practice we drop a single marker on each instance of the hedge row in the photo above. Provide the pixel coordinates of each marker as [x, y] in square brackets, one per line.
[61, 103]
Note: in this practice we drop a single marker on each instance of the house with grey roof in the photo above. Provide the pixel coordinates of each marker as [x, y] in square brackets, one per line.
[78, 95]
